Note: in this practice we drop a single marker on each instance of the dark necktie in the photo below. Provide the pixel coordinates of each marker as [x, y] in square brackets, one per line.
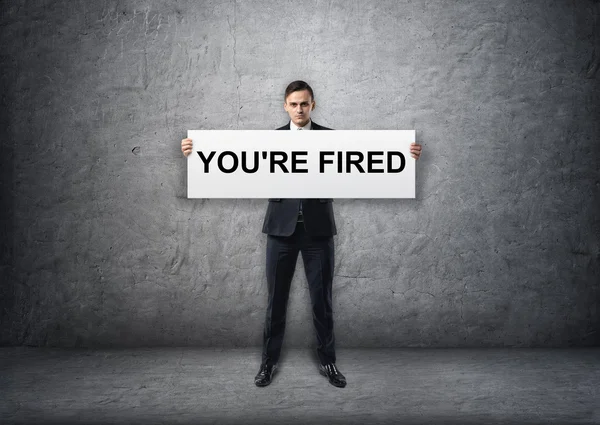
[300, 217]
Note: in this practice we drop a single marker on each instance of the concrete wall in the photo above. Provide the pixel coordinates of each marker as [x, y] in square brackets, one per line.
[101, 247]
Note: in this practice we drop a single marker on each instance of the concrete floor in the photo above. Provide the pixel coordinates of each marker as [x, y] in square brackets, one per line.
[205, 386]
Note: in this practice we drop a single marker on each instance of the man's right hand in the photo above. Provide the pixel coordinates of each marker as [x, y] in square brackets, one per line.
[186, 146]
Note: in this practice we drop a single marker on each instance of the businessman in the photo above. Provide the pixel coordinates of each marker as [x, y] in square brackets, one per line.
[293, 226]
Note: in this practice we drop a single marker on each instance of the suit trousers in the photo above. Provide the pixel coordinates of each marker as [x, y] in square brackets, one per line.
[318, 258]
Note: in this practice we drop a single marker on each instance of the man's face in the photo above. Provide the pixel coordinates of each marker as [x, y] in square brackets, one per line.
[298, 105]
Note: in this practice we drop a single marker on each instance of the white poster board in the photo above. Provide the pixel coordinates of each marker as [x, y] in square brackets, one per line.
[301, 164]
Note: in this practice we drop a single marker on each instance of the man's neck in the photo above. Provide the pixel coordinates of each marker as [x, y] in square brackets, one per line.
[306, 126]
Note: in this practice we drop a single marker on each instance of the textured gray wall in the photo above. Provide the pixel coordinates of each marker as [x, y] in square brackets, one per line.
[101, 247]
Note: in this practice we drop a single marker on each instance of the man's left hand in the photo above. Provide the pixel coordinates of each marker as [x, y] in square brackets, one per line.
[415, 150]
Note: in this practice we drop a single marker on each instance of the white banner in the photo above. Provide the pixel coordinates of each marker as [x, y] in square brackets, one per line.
[301, 164]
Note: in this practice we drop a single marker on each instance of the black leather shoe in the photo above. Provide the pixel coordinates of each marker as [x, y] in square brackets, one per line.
[265, 374]
[333, 374]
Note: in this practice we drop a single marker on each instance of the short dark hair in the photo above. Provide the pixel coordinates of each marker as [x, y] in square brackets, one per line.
[298, 85]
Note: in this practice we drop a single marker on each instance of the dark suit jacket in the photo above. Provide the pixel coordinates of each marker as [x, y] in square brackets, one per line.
[282, 214]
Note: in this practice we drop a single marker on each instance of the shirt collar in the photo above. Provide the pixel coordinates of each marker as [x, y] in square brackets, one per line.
[308, 125]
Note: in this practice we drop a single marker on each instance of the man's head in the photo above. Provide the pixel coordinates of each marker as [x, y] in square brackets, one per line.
[299, 101]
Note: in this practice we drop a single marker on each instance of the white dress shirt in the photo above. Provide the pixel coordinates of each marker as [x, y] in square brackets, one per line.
[308, 126]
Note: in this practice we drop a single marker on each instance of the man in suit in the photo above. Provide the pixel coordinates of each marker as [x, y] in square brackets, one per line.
[293, 226]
